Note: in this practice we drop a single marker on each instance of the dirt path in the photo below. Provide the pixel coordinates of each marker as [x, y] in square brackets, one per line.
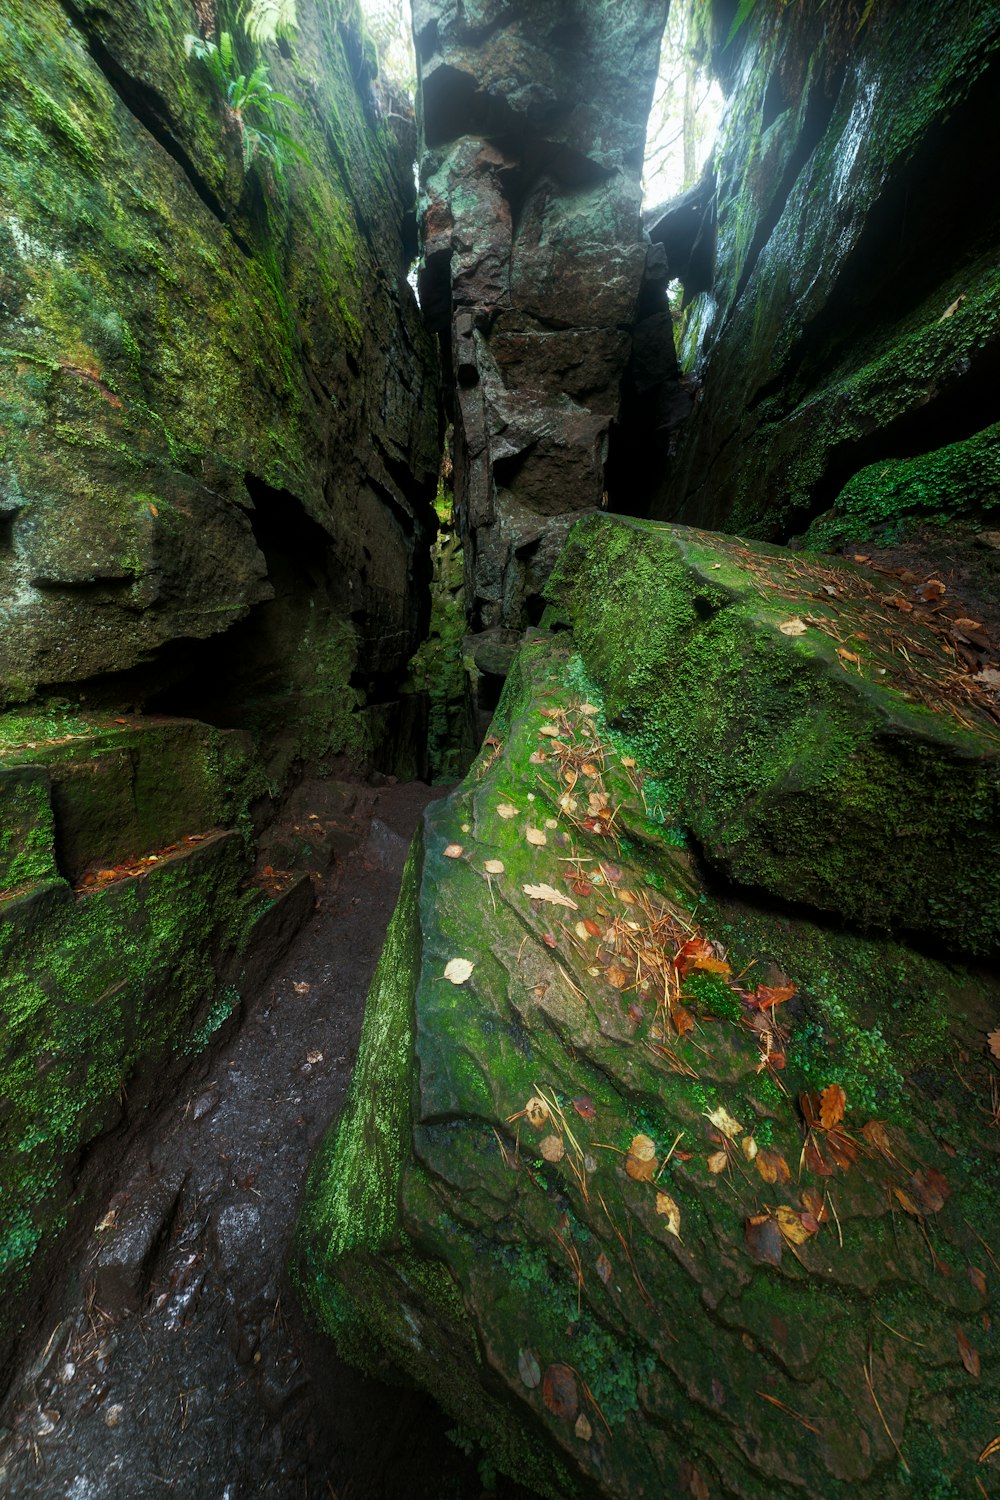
[178, 1365]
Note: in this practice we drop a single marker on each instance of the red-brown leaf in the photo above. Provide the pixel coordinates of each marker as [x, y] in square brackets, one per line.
[559, 1391]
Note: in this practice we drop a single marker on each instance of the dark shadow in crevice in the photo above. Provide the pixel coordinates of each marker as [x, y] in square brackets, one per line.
[966, 408]
[720, 887]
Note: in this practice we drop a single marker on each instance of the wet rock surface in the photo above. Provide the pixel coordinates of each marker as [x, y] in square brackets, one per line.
[533, 265]
[175, 1361]
[655, 1187]
[847, 340]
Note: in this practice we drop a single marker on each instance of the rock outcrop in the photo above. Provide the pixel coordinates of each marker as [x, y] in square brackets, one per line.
[848, 346]
[533, 123]
[659, 1191]
[209, 373]
[219, 433]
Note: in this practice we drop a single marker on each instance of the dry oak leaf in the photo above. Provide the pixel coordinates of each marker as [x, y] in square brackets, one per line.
[559, 1391]
[724, 1122]
[766, 997]
[668, 1209]
[717, 1162]
[846, 655]
[750, 1147]
[794, 626]
[453, 851]
[549, 893]
[458, 970]
[590, 709]
[993, 1041]
[506, 810]
[970, 1356]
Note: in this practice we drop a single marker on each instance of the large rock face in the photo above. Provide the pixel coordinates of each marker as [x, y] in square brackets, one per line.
[533, 126]
[218, 447]
[849, 346]
[200, 365]
[658, 1191]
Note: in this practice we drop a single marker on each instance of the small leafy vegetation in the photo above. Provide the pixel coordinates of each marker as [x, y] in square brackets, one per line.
[251, 103]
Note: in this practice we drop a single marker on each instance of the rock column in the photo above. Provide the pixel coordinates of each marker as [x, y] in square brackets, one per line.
[533, 127]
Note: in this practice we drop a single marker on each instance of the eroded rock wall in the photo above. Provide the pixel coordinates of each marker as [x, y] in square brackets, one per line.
[850, 338]
[218, 451]
[202, 364]
[533, 124]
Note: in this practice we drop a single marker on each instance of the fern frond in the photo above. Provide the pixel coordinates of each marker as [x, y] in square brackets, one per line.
[266, 20]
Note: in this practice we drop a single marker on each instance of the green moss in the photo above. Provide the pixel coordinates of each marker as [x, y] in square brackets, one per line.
[884, 499]
[792, 775]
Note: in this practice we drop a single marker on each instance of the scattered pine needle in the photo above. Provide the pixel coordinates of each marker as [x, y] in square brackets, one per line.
[791, 1412]
[915, 1342]
[888, 1429]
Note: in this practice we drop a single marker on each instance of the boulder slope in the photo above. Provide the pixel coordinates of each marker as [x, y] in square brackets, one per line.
[649, 1186]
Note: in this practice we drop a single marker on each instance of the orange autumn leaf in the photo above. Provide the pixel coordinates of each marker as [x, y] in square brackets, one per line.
[832, 1103]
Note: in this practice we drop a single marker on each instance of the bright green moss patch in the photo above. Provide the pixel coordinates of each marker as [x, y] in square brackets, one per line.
[885, 498]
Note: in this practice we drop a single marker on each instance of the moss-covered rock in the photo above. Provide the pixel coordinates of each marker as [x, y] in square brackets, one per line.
[853, 318]
[198, 361]
[576, 1193]
[777, 701]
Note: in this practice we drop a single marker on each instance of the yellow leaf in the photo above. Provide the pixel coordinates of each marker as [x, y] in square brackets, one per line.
[668, 1208]
[458, 970]
[537, 1111]
[725, 1122]
[453, 851]
[791, 1225]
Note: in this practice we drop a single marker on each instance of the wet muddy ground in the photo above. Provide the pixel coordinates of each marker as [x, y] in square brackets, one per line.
[175, 1362]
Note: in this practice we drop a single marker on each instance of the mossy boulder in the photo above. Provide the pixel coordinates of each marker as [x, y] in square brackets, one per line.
[657, 1192]
[809, 728]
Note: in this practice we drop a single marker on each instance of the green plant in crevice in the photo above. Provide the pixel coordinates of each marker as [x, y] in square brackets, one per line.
[250, 101]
